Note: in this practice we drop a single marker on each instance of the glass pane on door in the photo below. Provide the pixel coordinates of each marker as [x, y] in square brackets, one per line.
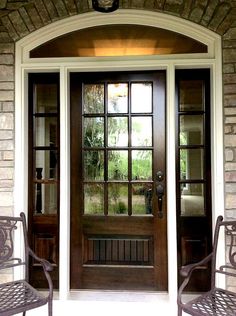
[118, 148]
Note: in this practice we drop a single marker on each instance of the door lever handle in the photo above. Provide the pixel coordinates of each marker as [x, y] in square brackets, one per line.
[160, 193]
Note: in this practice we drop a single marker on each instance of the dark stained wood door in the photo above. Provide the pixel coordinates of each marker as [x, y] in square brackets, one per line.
[118, 188]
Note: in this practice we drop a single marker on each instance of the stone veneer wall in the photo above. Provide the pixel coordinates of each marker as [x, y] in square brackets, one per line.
[18, 18]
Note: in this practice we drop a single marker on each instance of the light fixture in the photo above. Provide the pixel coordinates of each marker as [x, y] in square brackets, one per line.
[105, 5]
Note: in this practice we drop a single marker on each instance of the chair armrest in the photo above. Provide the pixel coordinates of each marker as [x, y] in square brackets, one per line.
[186, 271]
[47, 266]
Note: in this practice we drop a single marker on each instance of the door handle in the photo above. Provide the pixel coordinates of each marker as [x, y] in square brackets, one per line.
[160, 193]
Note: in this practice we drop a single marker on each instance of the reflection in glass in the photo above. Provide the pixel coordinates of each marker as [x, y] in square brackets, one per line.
[46, 98]
[192, 199]
[191, 164]
[191, 129]
[117, 198]
[93, 132]
[118, 98]
[191, 95]
[93, 199]
[141, 131]
[117, 131]
[142, 198]
[93, 165]
[141, 97]
[46, 198]
[93, 98]
[118, 165]
[47, 160]
[141, 164]
[45, 131]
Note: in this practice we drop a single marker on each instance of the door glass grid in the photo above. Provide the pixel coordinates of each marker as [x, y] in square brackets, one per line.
[45, 148]
[117, 148]
[191, 113]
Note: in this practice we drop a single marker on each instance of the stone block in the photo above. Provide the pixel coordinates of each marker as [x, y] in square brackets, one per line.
[230, 176]
[18, 23]
[6, 121]
[7, 184]
[228, 129]
[231, 214]
[60, 7]
[6, 199]
[6, 135]
[229, 88]
[71, 7]
[230, 34]
[229, 78]
[137, 3]
[6, 173]
[5, 37]
[230, 201]
[228, 68]
[209, 13]
[26, 19]
[230, 166]
[6, 95]
[10, 28]
[6, 145]
[230, 140]
[230, 110]
[3, 4]
[230, 100]
[229, 155]
[196, 14]
[6, 164]
[33, 13]
[6, 73]
[229, 55]
[229, 44]
[6, 85]
[39, 4]
[8, 106]
[219, 15]
[227, 22]
[230, 187]
[230, 120]
[8, 155]
[6, 48]
[51, 10]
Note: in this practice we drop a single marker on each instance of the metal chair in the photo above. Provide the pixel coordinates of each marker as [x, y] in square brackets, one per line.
[218, 301]
[18, 296]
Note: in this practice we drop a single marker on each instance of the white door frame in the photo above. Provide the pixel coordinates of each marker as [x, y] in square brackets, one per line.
[64, 66]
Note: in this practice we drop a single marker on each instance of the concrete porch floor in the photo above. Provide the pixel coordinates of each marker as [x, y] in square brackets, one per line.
[106, 303]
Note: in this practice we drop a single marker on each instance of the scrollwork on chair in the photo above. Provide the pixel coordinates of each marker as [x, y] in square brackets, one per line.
[18, 296]
[6, 240]
[220, 300]
[230, 230]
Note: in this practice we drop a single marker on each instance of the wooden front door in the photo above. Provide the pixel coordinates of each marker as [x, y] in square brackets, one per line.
[118, 181]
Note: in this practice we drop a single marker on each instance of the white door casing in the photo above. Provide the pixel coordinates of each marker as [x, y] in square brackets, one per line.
[24, 64]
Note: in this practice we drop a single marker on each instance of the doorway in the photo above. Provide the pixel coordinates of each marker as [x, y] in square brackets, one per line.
[118, 181]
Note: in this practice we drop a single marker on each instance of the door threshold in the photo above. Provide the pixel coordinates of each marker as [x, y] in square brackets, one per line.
[105, 303]
[117, 296]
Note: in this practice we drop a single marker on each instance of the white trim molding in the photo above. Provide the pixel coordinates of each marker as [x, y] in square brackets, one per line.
[24, 64]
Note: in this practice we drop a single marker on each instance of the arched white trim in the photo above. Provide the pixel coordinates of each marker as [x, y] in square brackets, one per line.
[212, 60]
[124, 16]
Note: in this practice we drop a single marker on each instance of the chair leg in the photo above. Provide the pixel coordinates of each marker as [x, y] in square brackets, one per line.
[50, 308]
[179, 311]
